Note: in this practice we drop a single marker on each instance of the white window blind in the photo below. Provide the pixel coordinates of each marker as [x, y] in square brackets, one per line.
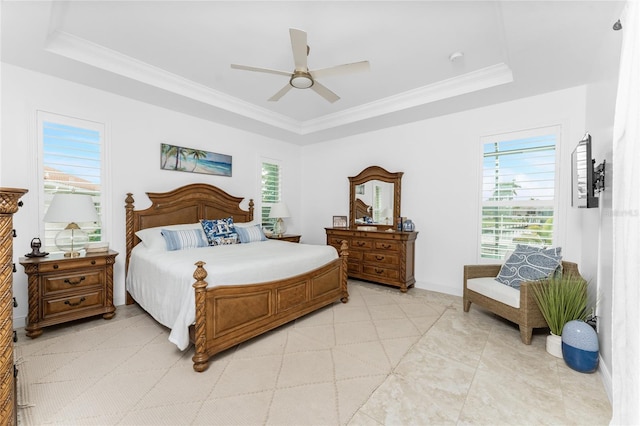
[518, 191]
[270, 189]
[71, 163]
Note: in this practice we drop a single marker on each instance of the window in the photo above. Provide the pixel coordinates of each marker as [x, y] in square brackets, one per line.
[518, 191]
[71, 152]
[270, 189]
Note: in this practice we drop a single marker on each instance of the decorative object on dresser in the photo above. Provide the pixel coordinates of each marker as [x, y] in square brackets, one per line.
[225, 315]
[36, 243]
[377, 251]
[71, 209]
[279, 211]
[9, 203]
[285, 237]
[63, 289]
[340, 221]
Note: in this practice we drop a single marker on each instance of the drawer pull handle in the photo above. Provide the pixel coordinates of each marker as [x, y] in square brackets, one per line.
[55, 266]
[386, 246]
[93, 262]
[379, 271]
[82, 299]
[379, 257]
[360, 243]
[68, 281]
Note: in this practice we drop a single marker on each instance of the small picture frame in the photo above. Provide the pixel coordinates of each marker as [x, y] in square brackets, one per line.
[339, 221]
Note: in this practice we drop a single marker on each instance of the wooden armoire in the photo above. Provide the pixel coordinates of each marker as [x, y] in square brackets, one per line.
[8, 206]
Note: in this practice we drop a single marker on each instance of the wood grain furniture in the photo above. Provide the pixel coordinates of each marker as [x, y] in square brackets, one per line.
[527, 315]
[285, 237]
[9, 202]
[375, 190]
[63, 289]
[378, 256]
[229, 315]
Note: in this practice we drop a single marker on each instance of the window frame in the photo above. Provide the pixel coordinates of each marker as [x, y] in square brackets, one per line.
[269, 223]
[545, 130]
[84, 123]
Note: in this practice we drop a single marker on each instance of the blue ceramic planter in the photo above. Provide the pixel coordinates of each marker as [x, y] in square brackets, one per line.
[580, 346]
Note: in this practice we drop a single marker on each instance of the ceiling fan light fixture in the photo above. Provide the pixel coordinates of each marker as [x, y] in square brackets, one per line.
[301, 80]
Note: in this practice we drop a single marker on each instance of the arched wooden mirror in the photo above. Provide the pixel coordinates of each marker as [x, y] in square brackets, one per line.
[374, 198]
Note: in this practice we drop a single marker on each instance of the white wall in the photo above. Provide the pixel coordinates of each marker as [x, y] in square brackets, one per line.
[440, 158]
[134, 133]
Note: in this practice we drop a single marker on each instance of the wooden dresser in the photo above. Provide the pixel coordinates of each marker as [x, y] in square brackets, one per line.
[378, 256]
[8, 206]
[63, 289]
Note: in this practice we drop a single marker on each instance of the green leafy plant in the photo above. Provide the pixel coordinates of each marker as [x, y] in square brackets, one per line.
[561, 299]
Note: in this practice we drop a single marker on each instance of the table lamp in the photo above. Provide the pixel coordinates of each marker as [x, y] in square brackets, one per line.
[71, 209]
[279, 211]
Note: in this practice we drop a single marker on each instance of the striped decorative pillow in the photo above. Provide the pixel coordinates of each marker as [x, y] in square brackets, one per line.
[184, 239]
[250, 234]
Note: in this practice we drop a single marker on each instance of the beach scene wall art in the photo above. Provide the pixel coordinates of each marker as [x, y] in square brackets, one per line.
[191, 160]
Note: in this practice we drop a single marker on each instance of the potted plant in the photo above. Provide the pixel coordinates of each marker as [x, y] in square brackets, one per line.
[560, 299]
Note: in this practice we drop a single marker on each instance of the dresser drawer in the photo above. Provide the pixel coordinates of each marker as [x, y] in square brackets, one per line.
[387, 245]
[361, 244]
[75, 264]
[381, 258]
[73, 302]
[55, 283]
[336, 241]
[380, 272]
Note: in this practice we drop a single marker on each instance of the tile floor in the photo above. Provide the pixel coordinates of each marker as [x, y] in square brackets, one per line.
[385, 358]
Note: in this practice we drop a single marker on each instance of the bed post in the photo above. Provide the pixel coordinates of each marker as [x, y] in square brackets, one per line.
[200, 359]
[344, 255]
[128, 206]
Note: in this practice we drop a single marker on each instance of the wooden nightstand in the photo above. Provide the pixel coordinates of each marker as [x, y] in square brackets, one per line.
[64, 289]
[285, 237]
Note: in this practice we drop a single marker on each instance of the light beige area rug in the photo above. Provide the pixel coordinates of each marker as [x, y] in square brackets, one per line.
[317, 370]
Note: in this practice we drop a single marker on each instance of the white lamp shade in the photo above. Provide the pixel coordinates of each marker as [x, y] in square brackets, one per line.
[279, 210]
[67, 208]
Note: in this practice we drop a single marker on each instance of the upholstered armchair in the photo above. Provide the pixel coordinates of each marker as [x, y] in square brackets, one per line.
[517, 306]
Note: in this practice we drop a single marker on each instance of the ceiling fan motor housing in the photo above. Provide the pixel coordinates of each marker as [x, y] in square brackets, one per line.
[301, 80]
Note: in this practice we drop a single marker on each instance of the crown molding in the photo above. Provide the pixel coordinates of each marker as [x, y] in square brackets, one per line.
[82, 50]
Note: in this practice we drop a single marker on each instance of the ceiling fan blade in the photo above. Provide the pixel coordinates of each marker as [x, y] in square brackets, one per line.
[341, 69]
[280, 93]
[256, 69]
[324, 92]
[299, 47]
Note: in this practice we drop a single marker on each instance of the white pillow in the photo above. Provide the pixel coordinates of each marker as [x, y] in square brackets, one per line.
[246, 224]
[152, 237]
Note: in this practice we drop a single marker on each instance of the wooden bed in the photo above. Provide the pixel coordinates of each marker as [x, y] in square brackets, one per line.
[229, 315]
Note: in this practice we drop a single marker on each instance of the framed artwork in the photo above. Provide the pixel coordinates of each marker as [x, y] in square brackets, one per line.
[339, 221]
[173, 157]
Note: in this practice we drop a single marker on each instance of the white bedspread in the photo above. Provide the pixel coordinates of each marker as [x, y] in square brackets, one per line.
[161, 281]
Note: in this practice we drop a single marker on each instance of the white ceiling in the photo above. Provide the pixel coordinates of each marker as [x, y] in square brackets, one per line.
[177, 54]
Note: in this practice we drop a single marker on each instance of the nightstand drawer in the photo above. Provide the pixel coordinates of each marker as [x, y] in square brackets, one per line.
[68, 264]
[81, 279]
[72, 303]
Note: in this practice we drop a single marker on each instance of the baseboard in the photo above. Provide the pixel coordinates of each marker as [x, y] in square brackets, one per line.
[439, 288]
[605, 375]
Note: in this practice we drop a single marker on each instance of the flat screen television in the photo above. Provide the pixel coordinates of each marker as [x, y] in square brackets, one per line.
[583, 175]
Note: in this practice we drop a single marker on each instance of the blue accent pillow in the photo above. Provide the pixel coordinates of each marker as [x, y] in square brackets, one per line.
[220, 231]
[529, 263]
[183, 239]
[250, 234]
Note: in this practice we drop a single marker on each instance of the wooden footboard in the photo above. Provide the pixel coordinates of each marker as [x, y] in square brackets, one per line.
[229, 315]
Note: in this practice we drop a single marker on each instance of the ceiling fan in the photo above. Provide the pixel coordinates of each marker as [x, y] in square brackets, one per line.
[302, 77]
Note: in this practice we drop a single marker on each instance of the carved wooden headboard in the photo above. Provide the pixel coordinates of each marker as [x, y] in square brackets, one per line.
[187, 204]
[362, 209]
